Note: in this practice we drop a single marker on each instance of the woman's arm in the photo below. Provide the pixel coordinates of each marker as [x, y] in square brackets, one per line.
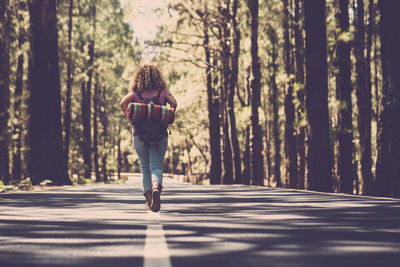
[171, 100]
[125, 101]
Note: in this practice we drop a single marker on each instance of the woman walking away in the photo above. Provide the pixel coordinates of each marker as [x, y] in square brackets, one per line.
[149, 87]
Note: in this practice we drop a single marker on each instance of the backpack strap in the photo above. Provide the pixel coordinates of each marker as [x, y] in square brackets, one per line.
[140, 96]
[143, 100]
[158, 97]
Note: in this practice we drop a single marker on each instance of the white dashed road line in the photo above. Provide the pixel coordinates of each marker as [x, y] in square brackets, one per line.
[156, 252]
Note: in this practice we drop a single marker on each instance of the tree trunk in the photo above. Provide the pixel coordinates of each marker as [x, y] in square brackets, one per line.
[246, 157]
[4, 91]
[319, 174]
[275, 111]
[213, 112]
[370, 36]
[247, 133]
[227, 177]
[371, 22]
[355, 172]
[16, 173]
[376, 78]
[232, 85]
[188, 149]
[96, 129]
[86, 145]
[86, 101]
[299, 54]
[257, 167]
[104, 168]
[363, 101]
[290, 136]
[388, 163]
[119, 155]
[45, 130]
[377, 84]
[267, 135]
[382, 184]
[104, 123]
[67, 114]
[343, 90]
[175, 160]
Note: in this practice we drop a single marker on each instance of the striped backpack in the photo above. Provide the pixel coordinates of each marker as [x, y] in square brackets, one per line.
[151, 118]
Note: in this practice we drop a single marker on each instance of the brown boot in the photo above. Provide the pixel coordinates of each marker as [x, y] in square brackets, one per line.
[148, 197]
[156, 202]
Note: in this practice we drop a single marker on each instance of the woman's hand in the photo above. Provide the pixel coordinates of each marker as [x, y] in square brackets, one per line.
[132, 122]
[171, 100]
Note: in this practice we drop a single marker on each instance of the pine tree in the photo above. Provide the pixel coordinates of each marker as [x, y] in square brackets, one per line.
[388, 162]
[45, 133]
[343, 90]
[4, 91]
[319, 176]
[257, 167]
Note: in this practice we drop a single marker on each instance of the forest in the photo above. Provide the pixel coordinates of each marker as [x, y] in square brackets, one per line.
[297, 94]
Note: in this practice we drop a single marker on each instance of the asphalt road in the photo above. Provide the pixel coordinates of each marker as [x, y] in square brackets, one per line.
[106, 225]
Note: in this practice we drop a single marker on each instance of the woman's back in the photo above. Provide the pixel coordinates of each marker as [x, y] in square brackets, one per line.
[146, 94]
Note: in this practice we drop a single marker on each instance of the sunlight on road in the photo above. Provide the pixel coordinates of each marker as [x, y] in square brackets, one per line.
[104, 224]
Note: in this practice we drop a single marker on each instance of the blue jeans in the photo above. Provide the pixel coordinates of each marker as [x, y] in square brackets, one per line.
[151, 157]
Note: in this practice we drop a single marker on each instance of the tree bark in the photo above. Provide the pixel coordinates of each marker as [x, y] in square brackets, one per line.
[119, 154]
[275, 111]
[16, 169]
[87, 99]
[382, 184]
[247, 133]
[232, 85]
[67, 114]
[257, 167]
[363, 101]
[86, 144]
[96, 129]
[213, 110]
[45, 130]
[375, 33]
[227, 177]
[319, 175]
[4, 91]
[299, 55]
[370, 26]
[104, 123]
[188, 149]
[246, 157]
[374, 113]
[290, 135]
[267, 135]
[388, 163]
[175, 160]
[343, 89]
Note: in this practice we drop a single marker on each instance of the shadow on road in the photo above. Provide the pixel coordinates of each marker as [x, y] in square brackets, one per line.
[204, 226]
[249, 226]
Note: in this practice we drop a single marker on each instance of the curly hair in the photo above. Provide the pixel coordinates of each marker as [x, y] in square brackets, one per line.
[147, 77]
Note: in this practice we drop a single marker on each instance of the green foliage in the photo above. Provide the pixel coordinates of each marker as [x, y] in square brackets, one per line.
[81, 181]
[25, 185]
[115, 60]
[346, 37]
[177, 49]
